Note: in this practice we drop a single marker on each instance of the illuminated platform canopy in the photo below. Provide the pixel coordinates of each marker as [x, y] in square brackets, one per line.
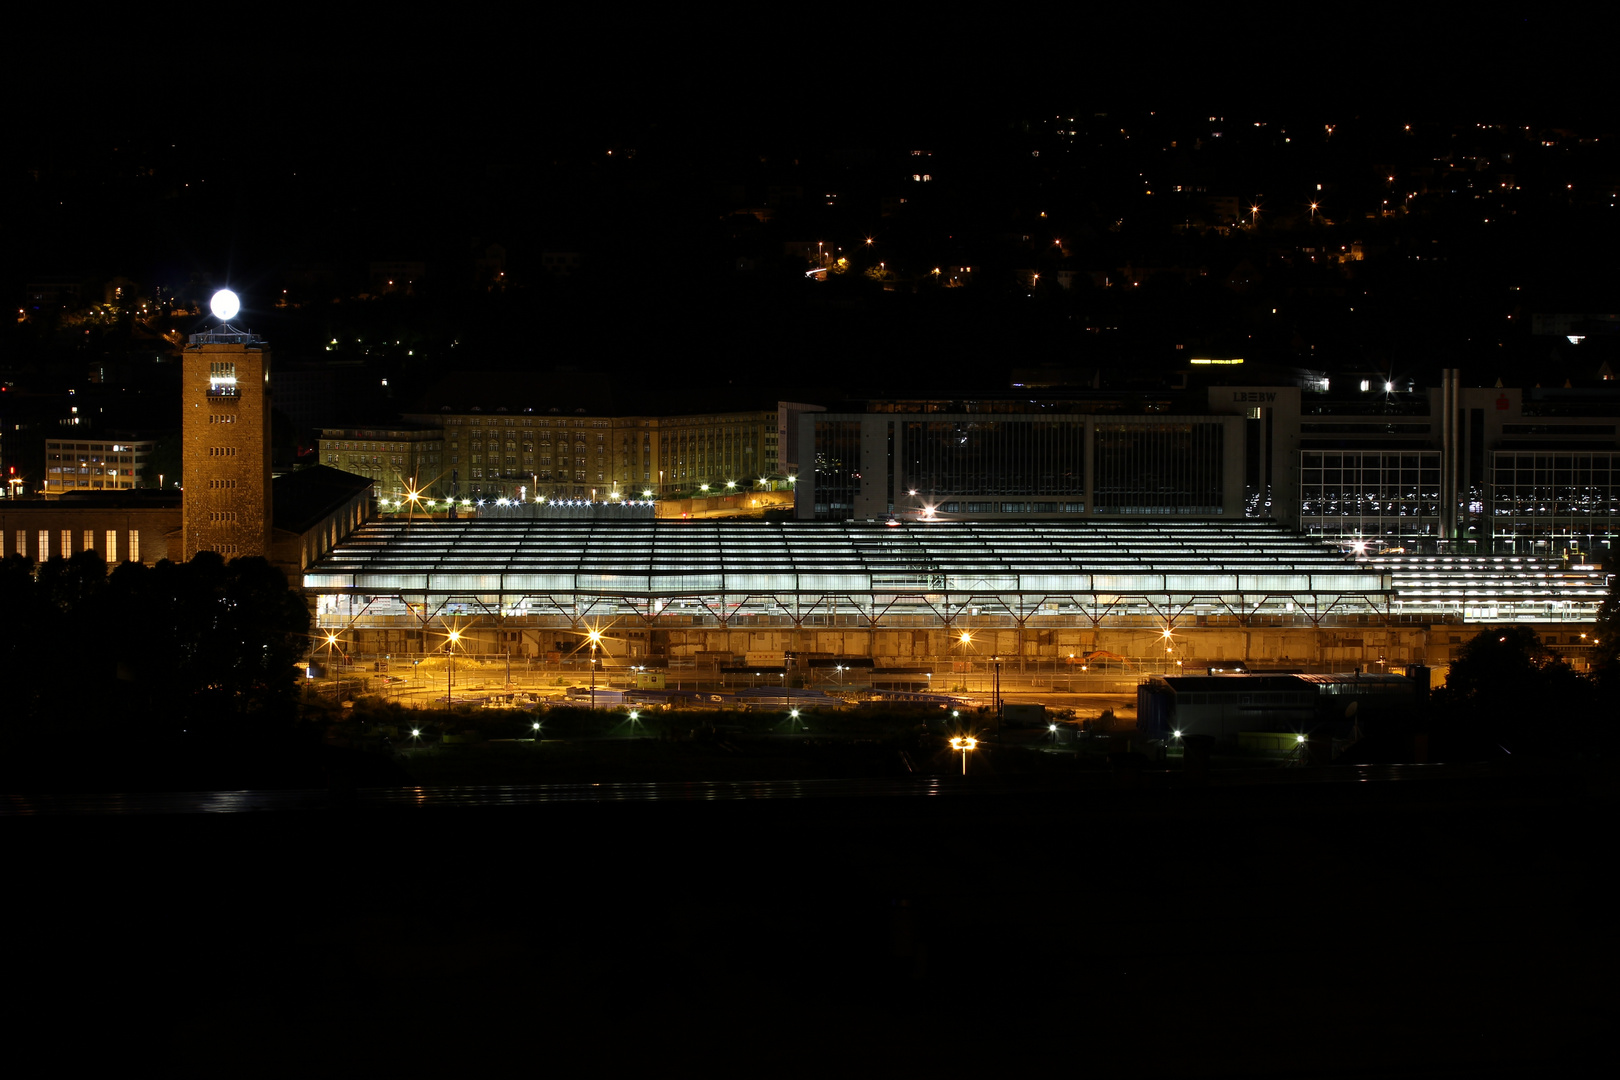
[735, 574]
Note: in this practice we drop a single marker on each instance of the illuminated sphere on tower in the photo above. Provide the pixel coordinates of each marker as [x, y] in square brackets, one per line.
[225, 305]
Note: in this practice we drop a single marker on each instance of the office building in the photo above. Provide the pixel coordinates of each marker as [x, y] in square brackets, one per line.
[97, 464]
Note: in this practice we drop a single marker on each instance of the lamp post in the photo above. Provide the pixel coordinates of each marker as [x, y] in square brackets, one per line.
[450, 671]
[331, 644]
[964, 744]
[965, 639]
[595, 637]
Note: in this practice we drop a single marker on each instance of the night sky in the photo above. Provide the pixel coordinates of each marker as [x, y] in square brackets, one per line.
[275, 156]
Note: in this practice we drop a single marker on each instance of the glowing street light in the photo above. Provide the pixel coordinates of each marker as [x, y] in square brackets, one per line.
[452, 639]
[964, 743]
[332, 645]
[595, 638]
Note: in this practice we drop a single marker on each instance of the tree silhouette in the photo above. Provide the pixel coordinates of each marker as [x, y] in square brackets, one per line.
[1508, 688]
[202, 645]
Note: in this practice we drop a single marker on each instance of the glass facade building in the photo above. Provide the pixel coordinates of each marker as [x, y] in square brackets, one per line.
[1384, 494]
[1160, 468]
[1006, 457]
[1555, 498]
[837, 468]
[989, 465]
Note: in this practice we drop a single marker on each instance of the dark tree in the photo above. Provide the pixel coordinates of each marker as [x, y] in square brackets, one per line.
[1509, 691]
[205, 645]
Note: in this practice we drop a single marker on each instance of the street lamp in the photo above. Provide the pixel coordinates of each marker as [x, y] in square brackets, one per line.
[965, 639]
[450, 643]
[335, 645]
[964, 743]
[595, 637]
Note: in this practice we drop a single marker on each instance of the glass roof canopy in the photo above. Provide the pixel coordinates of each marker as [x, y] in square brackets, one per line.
[1493, 588]
[822, 573]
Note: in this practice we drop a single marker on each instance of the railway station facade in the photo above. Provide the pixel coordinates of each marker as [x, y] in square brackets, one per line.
[1162, 595]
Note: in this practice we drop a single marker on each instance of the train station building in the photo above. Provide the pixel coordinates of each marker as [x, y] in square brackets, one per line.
[1163, 595]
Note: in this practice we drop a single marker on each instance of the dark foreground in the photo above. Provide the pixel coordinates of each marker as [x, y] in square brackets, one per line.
[1397, 926]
